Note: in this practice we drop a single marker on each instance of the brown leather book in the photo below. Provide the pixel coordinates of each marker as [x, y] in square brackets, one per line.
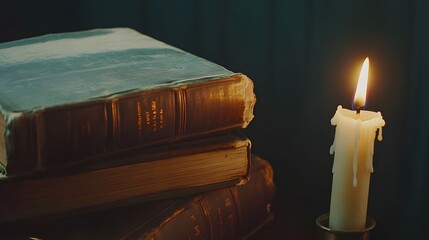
[141, 175]
[228, 213]
[68, 97]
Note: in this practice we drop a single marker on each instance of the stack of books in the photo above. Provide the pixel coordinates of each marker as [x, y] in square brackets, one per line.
[111, 134]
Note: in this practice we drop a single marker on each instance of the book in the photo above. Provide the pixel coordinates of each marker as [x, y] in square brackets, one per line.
[69, 97]
[179, 169]
[228, 213]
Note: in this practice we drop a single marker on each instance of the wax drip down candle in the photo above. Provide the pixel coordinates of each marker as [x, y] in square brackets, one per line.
[353, 150]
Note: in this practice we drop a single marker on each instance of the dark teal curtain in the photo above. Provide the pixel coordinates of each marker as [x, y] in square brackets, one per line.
[304, 57]
[415, 216]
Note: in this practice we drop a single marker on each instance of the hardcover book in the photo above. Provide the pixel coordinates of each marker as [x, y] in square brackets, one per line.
[70, 97]
[228, 213]
[141, 175]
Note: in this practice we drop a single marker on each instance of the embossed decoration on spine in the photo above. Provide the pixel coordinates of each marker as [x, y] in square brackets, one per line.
[115, 119]
[181, 112]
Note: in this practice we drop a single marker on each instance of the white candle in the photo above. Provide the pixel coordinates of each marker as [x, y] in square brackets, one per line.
[354, 148]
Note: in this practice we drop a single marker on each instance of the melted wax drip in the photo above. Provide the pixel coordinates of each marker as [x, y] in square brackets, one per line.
[380, 134]
[356, 150]
[379, 127]
[331, 151]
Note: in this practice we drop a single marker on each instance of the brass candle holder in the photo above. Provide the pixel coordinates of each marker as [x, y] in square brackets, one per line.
[326, 233]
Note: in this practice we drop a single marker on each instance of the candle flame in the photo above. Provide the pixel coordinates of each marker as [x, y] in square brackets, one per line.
[360, 94]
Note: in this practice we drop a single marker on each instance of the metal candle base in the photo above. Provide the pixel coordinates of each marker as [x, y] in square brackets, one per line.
[325, 233]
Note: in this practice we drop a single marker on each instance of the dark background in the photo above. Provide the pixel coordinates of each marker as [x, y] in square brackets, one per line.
[304, 57]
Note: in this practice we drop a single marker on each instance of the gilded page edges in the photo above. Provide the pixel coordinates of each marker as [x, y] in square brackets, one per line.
[244, 143]
[249, 101]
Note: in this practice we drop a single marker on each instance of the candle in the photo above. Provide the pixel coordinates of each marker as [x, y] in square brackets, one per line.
[354, 148]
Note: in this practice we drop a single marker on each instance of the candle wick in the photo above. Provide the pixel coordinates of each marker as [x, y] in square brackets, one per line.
[358, 111]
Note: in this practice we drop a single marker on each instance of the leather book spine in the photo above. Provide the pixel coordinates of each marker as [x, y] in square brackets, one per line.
[73, 133]
[230, 213]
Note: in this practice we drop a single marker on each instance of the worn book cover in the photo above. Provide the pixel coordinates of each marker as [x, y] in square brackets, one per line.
[228, 213]
[141, 175]
[69, 97]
